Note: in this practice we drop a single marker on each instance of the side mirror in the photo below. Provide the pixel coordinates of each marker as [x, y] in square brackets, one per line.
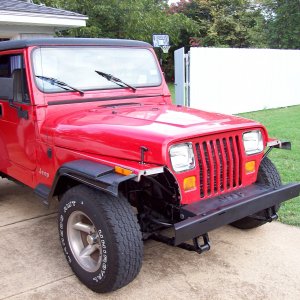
[6, 88]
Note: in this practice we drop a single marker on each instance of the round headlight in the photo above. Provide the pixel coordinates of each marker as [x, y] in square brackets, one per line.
[253, 142]
[182, 157]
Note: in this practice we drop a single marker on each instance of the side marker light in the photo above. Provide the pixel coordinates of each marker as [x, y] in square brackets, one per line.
[122, 171]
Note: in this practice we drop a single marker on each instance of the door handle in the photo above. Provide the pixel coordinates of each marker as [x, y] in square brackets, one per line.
[22, 114]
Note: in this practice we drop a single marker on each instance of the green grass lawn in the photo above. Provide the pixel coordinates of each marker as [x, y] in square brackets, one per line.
[284, 123]
[281, 123]
[172, 91]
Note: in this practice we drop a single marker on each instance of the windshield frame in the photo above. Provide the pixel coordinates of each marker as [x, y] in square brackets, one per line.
[114, 88]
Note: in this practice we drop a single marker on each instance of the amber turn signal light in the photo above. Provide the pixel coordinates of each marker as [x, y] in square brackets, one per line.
[189, 183]
[250, 167]
[122, 171]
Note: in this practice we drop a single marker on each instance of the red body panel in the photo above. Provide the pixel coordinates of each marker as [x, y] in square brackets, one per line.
[112, 135]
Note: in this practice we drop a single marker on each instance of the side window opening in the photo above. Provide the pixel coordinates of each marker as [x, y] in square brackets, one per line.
[12, 66]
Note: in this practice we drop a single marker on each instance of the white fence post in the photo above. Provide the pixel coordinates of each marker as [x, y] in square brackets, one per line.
[188, 79]
[179, 57]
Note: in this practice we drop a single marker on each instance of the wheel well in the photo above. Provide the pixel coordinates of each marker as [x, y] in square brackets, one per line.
[64, 183]
[158, 193]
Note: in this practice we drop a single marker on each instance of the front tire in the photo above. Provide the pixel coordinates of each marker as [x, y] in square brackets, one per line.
[267, 175]
[100, 237]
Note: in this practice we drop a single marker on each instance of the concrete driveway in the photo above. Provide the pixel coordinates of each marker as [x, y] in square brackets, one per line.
[259, 264]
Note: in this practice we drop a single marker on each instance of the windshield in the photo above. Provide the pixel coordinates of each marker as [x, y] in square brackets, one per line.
[76, 67]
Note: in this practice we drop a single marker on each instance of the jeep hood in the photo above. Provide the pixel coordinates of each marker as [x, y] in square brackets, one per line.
[120, 131]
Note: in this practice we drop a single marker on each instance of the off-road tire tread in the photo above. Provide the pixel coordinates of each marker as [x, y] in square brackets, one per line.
[125, 232]
[268, 175]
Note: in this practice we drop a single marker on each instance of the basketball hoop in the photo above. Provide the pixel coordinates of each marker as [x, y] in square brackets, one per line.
[160, 40]
[165, 48]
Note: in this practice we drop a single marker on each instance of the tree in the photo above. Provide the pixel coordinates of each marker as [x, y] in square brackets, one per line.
[132, 19]
[282, 23]
[228, 23]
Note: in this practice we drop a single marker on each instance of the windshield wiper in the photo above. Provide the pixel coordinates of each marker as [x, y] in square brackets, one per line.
[60, 84]
[115, 80]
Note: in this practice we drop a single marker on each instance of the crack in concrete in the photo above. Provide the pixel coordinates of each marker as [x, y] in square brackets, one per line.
[28, 219]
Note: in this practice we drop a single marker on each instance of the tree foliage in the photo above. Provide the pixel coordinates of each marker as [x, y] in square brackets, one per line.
[221, 23]
[282, 22]
[225, 23]
[245, 23]
[132, 19]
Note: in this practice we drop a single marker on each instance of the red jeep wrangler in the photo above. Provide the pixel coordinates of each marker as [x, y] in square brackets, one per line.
[90, 122]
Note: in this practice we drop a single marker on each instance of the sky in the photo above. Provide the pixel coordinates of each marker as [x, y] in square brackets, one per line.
[173, 1]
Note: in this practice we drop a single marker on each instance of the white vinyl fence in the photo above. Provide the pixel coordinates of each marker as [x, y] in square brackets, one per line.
[232, 81]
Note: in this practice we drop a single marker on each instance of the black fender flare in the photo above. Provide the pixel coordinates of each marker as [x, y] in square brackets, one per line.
[94, 174]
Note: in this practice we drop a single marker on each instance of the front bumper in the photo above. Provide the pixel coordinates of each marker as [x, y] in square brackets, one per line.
[204, 216]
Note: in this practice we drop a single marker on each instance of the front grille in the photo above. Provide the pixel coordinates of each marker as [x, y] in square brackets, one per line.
[220, 165]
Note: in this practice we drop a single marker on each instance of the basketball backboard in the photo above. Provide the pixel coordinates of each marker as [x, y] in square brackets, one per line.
[160, 40]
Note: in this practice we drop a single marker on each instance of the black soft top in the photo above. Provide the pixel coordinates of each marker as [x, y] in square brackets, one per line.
[20, 44]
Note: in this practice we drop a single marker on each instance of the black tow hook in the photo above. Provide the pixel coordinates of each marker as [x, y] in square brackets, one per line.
[271, 215]
[205, 246]
[197, 246]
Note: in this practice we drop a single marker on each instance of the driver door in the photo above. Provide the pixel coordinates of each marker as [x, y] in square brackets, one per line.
[17, 130]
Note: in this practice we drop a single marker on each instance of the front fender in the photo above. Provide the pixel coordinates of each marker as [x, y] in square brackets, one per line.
[96, 175]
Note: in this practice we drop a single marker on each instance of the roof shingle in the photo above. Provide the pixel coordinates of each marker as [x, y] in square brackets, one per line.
[22, 6]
